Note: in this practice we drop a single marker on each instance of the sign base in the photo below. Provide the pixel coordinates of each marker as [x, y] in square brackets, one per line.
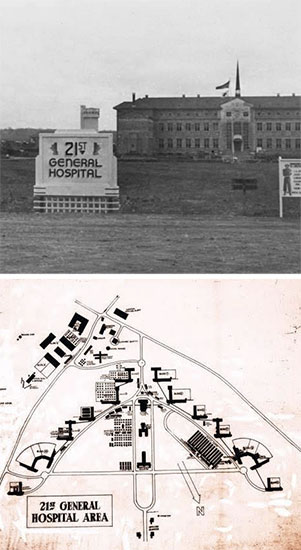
[91, 205]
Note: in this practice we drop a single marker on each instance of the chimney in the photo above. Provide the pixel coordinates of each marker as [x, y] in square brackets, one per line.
[278, 95]
[293, 94]
[146, 96]
[133, 97]
[198, 95]
[183, 95]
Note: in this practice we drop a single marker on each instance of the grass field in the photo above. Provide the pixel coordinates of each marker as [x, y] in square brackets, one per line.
[169, 188]
[136, 243]
[174, 218]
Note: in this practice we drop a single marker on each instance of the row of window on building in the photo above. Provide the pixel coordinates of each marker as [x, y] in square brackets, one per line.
[269, 127]
[188, 126]
[197, 126]
[187, 143]
[271, 143]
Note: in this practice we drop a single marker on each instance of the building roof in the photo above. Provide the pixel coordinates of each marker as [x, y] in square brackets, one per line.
[259, 102]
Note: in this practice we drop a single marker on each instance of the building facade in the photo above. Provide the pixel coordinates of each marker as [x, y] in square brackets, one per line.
[204, 127]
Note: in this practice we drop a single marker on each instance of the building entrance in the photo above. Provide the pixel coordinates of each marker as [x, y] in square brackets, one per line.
[237, 145]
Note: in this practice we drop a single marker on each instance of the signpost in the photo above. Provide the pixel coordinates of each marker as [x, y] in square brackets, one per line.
[289, 180]
[244, 185]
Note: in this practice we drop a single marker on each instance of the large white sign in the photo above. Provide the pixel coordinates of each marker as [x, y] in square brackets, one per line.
[289, 180]
[80, 162]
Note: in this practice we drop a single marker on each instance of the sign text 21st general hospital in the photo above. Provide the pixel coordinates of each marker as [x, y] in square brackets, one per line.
[75, 159]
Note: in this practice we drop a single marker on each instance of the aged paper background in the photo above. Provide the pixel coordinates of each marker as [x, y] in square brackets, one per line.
[246, 330]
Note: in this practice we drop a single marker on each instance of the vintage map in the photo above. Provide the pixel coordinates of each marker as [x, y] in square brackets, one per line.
[139, 414]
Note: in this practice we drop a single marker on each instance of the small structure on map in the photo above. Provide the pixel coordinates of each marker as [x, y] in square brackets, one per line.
[76, 170]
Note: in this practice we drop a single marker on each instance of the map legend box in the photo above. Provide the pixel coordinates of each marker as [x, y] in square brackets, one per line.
[69, 511]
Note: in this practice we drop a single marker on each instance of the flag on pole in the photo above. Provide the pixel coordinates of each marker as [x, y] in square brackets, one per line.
[223, 86]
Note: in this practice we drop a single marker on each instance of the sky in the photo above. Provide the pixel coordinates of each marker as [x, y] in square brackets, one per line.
[58, 54]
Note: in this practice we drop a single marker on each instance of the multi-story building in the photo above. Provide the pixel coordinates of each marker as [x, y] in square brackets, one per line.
[203, 127]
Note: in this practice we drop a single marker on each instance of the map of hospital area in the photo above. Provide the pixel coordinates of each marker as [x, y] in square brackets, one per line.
[130, 434]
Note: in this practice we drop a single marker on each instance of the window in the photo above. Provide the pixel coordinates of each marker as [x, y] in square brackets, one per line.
[188, 126]
[206, 143]
[179, 143]
[269, 126]
[259, 142]
[170, 143]
[297, 126]
[179, 126]
[188, 143]
[278, 126]
[197, 143]
[206, 126]
[197, 126]
[246, 113]
[161, 143]
[228, 113]
[288, 126]
[269, 143]
[259, 128]
[215, 143]
[215, 126]
[298, 143]
[278, 144]
[170, 126]
[287, 143]
[161, 127]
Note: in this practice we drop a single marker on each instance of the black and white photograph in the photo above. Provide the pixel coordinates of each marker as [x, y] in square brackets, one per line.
[147, 136]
